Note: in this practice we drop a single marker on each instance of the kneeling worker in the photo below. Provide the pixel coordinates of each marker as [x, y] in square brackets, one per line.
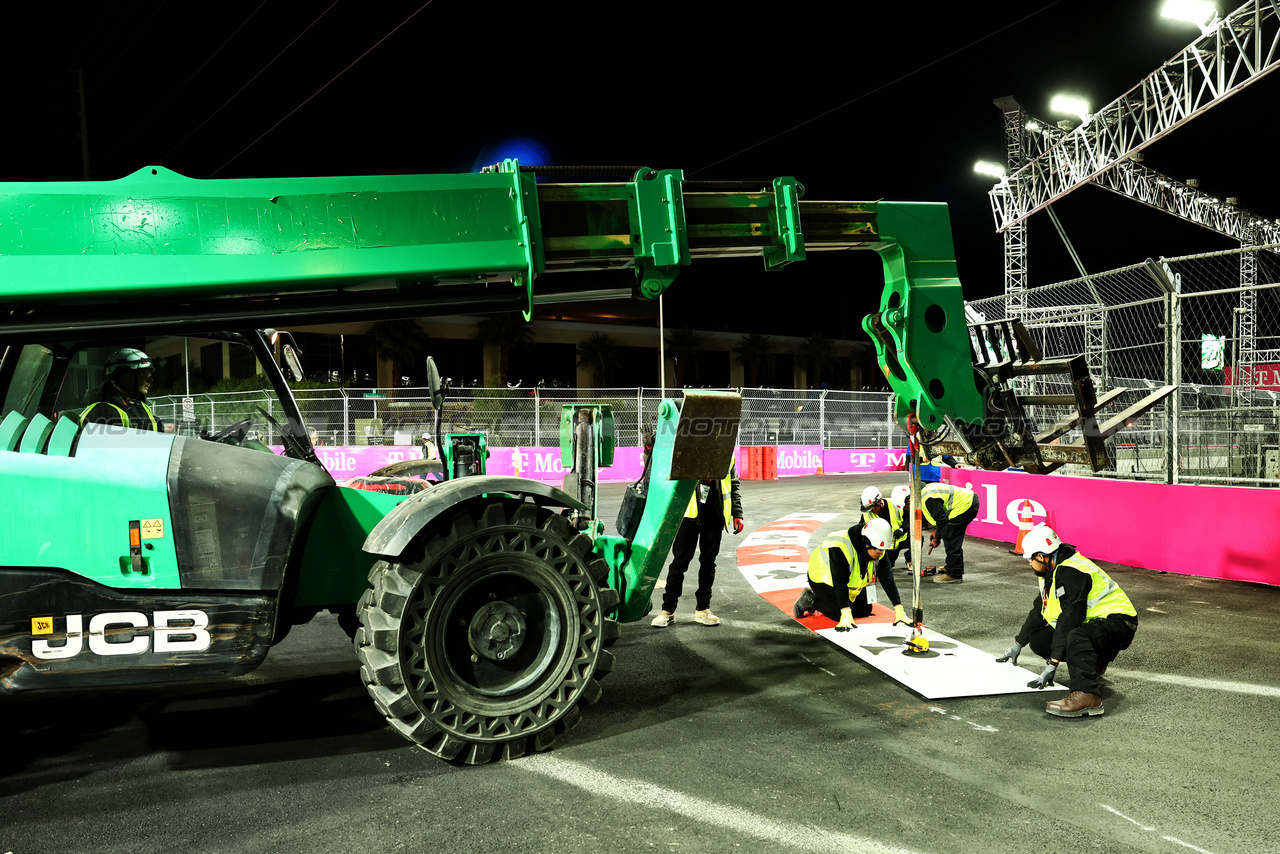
[840, 572]
[1080, 616]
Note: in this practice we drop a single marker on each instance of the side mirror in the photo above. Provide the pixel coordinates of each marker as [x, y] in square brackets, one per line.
[290, 352]
[293, 365]
[434, 386]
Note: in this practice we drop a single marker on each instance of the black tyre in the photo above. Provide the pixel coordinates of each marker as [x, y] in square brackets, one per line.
[489, 646]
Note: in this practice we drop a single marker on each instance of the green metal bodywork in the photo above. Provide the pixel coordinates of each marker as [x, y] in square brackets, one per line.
[78, 508]
[605, 436]
[160, 253]
[334, 567]
[157, 235]
[920, 334]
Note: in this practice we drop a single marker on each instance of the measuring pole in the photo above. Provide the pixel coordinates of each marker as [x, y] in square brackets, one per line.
[917, 526]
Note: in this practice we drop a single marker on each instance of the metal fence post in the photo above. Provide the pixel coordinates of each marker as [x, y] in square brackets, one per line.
[346, 418]
[1171, 282]
[1175, 379]
[888, 435]
[822, 418]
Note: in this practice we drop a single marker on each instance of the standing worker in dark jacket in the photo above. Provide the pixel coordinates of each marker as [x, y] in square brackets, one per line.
[948, 510]
[122, 399]
[1080, 616]
[842, 569]
[715, 505]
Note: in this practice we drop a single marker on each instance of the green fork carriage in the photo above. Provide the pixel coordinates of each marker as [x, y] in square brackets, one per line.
[482, 607]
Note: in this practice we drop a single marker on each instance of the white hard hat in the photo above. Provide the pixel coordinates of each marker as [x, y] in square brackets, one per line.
[1040, 540]
[878, 534]
[900, 495]
[870, 496]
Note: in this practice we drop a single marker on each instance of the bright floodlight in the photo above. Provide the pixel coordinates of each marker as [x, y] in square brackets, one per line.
[1193, 11]
[1072, 106]
[986, 167]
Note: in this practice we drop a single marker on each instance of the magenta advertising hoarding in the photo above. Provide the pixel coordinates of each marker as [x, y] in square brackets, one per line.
[1190, 530]
[348, 461]
[858, 460]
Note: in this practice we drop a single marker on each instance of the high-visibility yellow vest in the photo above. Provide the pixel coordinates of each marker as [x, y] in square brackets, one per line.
[1105, 596]
[124, 416]
[820, 564]
[955, 499]
[895, 521]
[726, 494]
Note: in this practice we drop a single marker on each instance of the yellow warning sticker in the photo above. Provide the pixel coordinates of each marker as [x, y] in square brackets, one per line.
[42, 625]
[153, 529]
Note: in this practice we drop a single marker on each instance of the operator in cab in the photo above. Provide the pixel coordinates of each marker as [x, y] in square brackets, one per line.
[122, 399]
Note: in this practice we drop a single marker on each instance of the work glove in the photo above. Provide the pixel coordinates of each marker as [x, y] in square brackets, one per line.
[737, 525]
[1011, 654]
[934, 540]
[900, 616]
[1045, 679]
[846, 620]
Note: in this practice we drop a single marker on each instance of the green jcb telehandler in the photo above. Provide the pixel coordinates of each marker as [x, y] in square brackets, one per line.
[481, 607]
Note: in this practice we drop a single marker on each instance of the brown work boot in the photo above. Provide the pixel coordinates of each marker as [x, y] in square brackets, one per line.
[1077, 704]
[944, 578]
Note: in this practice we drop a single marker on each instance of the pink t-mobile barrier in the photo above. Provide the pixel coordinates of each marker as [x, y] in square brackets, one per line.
[348, 461]
[857, 460]
[1211, 531]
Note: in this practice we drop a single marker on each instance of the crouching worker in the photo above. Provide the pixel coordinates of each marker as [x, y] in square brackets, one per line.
[840, 572]
[1080, 616]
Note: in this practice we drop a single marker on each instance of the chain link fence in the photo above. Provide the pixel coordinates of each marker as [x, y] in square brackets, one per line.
[531, 417]
[1207, 324]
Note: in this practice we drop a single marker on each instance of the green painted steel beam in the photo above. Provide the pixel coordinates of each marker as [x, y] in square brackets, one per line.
[156, 234]
[920, 333]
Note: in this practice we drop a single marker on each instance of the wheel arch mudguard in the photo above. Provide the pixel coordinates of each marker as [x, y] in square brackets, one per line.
[402, 525]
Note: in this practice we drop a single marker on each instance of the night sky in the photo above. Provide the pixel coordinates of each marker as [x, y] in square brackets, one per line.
[857, 104]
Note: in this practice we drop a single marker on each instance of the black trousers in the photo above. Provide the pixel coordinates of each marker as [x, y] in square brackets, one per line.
[703, 536]
[951, 532]
[829, 605]
[1091, 646]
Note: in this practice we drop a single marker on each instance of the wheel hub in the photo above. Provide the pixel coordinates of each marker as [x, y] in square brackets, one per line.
[497, 631]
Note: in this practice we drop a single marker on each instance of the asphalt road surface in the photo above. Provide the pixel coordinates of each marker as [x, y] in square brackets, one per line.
[752, 736]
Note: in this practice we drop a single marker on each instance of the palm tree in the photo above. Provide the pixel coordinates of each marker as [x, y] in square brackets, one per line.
[755, 353]
[400, 343]
[818, 355]
[598, 351]
[512, 335]
[683, 347]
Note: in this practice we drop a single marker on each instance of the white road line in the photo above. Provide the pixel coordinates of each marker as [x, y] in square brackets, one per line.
[1194, 682]
[802, 837]
[1125, 817]
[1142, 826]
[819, 666]
[980, 727]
